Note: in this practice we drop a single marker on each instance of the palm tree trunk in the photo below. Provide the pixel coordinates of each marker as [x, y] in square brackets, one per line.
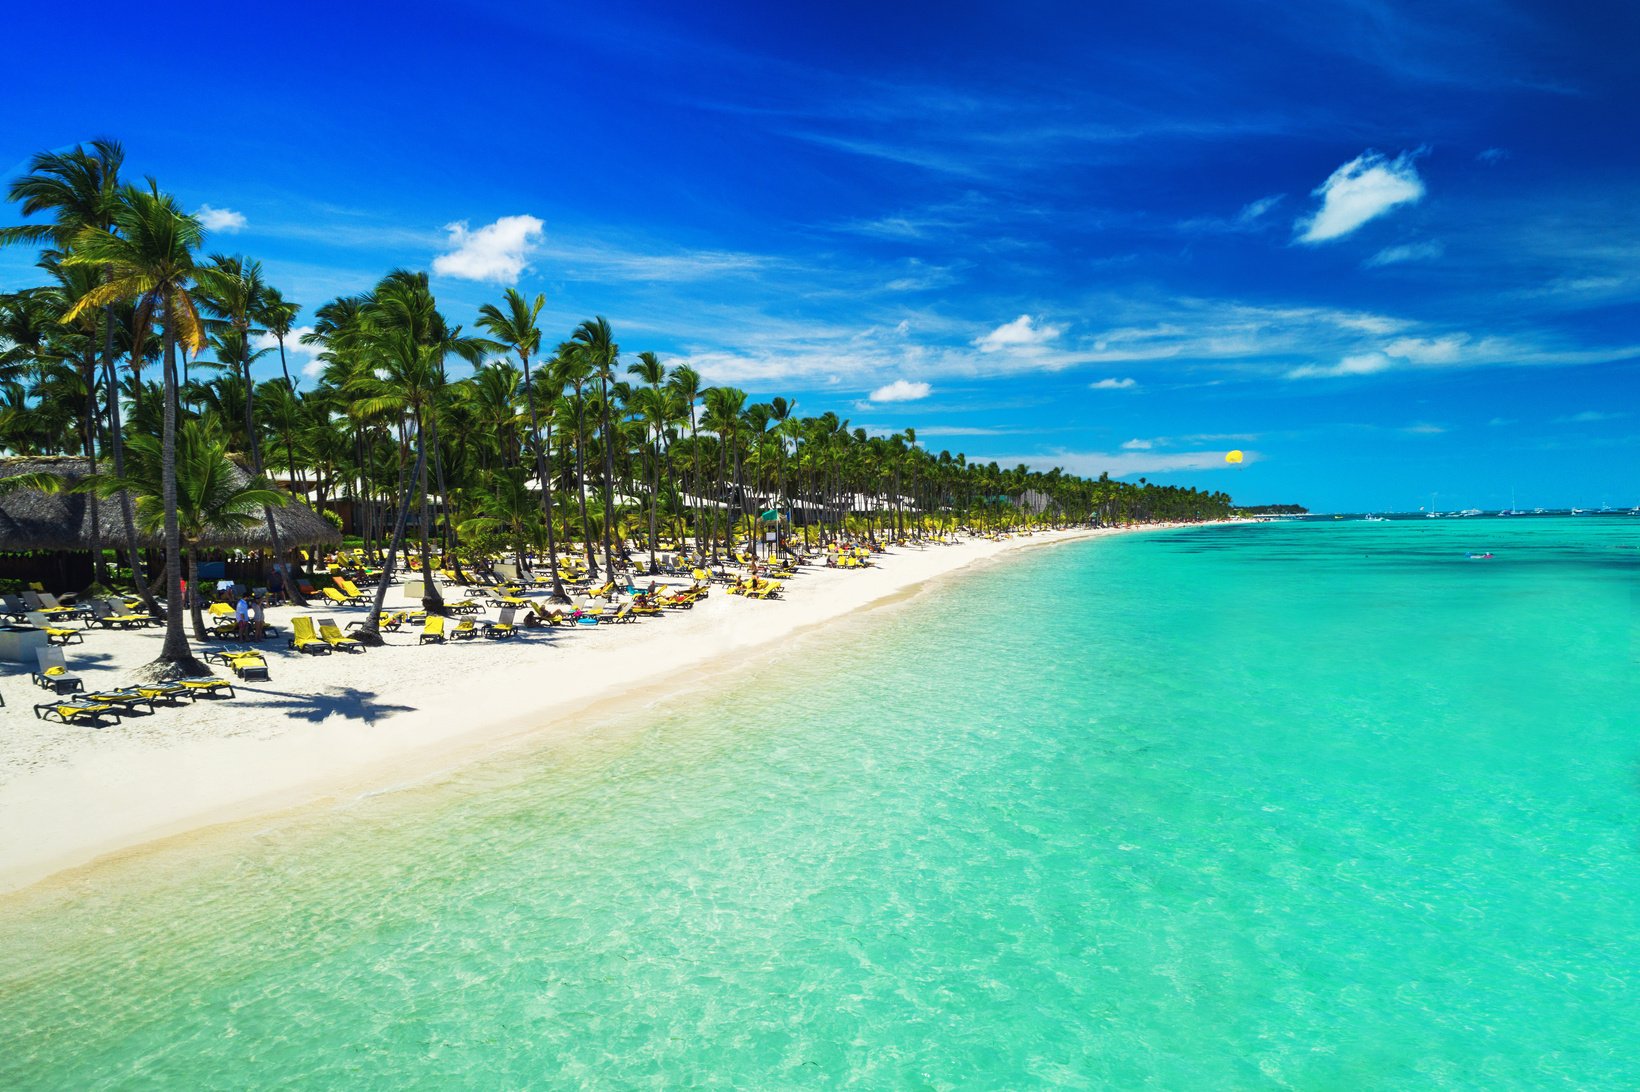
[609, 475]
[370, 633]
[116, 443]
[431, 600]
[546, 483]
[194, 611]
[175, 656]
[452, 542]
[581, 484]
[88, 375]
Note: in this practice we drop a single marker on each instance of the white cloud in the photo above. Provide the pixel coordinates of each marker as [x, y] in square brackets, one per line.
[1255, 209]
[226, 221]
[1589, 417]
[1022, 333]
[1492, 155]
[1354, 364]
[901, 390]
[1424, 428]
[1361, 190]
[1113, 384]
[1138, 445]
[1407, 252]
[495, 252]
[300, 358]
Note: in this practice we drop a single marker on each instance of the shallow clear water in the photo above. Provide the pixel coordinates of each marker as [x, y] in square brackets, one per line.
[1322, 806]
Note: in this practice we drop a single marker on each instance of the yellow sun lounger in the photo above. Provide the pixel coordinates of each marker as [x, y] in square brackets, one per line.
[333, 636]
[432, 631]
[198, 687]
[55, 635]
[246, 663]
[71, 713]
[304, 639]
[502, 627]
[465, 630]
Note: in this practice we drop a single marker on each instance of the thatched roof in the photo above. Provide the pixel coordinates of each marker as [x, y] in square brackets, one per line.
[32, 520]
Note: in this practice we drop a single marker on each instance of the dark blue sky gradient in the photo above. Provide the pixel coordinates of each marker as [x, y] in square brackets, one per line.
[825, 201]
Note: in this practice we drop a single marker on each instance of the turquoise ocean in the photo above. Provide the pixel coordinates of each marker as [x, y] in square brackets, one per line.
[1283, 805]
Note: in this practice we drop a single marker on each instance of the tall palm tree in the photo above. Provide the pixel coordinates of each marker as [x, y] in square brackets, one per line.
[652, 408]
[685, 382]
[148, 258]
[78, 188]
[572, 368]
[517, 328]
[602, 354]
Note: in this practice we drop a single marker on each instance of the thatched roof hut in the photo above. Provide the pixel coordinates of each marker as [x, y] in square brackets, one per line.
[32, 520]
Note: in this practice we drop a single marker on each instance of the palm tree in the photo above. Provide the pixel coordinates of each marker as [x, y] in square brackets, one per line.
[78, 188]
[211, 496]
[685, 384]
[572, 368]
[652, 409]
[148, 259]
[602, 353]
[517, 328]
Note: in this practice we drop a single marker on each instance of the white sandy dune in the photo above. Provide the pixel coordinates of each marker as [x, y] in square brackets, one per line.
[330, 727]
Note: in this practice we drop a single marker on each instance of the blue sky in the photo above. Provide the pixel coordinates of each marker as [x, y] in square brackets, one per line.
[1388, 250]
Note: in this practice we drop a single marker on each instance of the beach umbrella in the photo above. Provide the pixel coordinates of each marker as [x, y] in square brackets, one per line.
[771, 515]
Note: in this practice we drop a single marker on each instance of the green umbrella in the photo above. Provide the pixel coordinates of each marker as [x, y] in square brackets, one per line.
[771, 515]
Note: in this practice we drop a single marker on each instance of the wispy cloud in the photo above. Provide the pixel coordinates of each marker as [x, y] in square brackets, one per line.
[1590, 417]
[1406, 252]
[496, 252]
[1137, 444]
[1492, 156]
[1424, 428]
[224, 221]
[1458, 351]
[1363, 189]
[1113, 384]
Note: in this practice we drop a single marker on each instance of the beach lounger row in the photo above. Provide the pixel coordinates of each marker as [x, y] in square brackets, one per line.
[102, 707]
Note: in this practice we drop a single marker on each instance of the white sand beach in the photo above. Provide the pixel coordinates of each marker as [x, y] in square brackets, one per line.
[332, 727]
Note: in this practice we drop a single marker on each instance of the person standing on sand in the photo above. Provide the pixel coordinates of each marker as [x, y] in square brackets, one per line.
[259, 616]
[242, 614]
[276, 584]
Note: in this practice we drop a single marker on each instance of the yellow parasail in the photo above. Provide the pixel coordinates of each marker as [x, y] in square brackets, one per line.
[1232, 457]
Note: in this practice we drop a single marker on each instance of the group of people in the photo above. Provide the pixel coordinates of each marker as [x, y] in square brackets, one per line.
[250, 615]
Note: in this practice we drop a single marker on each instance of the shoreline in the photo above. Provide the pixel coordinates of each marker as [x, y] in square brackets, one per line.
[113, 793]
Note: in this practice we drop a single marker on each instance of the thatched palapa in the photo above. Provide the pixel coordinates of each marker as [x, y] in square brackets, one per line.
[32, 520]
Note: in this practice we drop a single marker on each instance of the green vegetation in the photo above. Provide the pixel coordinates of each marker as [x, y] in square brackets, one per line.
[538, 448]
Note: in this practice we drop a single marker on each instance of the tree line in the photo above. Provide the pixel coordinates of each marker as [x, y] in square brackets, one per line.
[538, 447]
